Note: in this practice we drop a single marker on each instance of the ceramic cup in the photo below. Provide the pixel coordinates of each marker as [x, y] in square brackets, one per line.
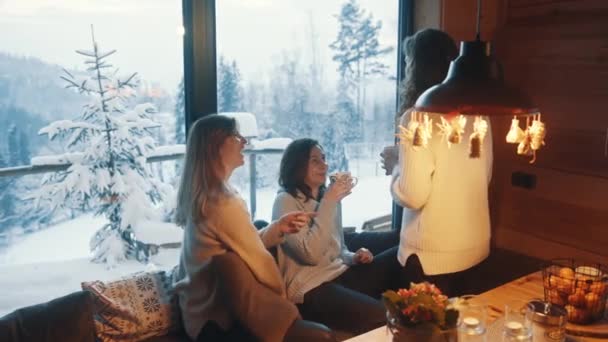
[345, 177]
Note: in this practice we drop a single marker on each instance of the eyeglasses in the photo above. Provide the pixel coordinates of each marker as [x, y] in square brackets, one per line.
[239, 137]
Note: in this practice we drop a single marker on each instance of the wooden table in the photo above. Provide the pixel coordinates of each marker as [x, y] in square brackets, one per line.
[524, 288]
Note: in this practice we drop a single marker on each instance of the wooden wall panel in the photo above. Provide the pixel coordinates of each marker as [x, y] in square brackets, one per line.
[427, 14]
[521, 9]
[556, 50]
[458, 18]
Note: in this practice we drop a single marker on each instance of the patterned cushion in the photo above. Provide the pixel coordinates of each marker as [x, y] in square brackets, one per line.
[134, 308]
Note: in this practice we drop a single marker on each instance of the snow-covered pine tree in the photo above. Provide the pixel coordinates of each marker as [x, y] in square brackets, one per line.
[24, 148]
[13, 146]
[18, 147]
[230, 90]
[357, 51]
[290, 98]
[107, 148]
[7, 199]
[335, 135]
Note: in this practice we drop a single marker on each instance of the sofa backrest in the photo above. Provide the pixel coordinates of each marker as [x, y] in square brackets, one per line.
[67, 319]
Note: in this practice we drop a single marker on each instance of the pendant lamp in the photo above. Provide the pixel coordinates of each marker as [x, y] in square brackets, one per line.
[474, 86]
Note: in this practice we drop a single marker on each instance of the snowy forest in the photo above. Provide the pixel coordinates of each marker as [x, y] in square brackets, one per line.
[105, 121]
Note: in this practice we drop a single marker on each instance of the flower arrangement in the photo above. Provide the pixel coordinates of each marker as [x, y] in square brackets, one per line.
[422, 305]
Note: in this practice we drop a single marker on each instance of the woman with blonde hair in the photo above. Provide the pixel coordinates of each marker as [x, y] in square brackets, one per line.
[228, 285]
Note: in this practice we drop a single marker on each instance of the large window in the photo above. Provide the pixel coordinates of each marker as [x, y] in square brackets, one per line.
[45, 238]
[324, 69]
[295, 66]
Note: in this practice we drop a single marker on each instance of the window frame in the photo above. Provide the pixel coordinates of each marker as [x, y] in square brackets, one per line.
[200, 62]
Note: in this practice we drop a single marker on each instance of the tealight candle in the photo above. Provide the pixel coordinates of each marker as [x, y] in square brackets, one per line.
[470, 321]
[513, 326]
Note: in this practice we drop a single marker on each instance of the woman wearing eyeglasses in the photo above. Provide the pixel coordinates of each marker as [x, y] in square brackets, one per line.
[228, 284]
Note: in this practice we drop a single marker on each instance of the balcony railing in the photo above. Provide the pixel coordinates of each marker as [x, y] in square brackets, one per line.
[18, 171]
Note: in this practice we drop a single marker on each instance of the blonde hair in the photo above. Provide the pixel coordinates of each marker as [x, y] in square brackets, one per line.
[201, 183]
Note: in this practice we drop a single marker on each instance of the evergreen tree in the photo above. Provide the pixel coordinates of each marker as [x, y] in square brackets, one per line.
[290, 98]
[18, 147]
[335, 135]
[230, 92]
[24, 149]
[357, 52]
[180, 114]
[13, 146]
[7, 199]
[107, 147]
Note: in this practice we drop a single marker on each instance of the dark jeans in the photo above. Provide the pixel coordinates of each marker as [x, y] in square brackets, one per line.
[448, 283]
[213, 332]
[351, 302]
[385, 269]
[376, 242]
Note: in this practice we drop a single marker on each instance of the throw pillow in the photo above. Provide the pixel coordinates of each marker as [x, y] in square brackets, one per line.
[134, 308]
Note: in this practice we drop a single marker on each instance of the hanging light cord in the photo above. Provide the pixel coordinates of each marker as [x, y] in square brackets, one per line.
[478, 35]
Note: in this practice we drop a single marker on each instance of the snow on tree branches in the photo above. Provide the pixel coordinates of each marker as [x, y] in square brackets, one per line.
[358, 53]
[110, 175]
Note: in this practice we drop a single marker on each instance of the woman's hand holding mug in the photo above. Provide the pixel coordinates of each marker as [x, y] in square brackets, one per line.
[340, 187]
[389, 159]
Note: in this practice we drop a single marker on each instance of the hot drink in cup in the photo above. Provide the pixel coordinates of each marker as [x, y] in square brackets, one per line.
[343, 177]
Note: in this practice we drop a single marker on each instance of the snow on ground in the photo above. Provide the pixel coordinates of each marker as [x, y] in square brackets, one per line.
[54, 261]
[27, 284]
[64, 241]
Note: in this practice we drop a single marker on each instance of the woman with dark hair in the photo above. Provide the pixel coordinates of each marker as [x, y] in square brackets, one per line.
[330, 284]
[446, 225]
[228, 285]
[428, 54]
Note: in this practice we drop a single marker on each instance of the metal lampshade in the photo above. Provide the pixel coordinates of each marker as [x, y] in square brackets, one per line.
[474, 86]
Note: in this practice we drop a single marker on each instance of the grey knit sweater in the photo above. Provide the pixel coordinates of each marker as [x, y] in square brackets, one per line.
[315, 255]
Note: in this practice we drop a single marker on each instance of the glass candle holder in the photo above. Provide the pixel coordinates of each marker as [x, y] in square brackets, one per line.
[517, 323]
[472, 316]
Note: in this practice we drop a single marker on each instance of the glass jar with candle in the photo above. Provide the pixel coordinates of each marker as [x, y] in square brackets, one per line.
[517, 323]
[472, 318]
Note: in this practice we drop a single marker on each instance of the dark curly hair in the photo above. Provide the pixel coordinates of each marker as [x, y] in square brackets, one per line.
[294, 165]
[428, 54]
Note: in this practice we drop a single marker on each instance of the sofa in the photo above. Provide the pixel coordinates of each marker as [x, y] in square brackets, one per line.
[71, 318]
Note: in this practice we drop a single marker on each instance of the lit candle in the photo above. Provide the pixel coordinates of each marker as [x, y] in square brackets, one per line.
[514, 327]
[470, 321]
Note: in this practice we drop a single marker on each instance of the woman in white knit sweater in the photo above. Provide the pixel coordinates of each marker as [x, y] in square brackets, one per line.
[446, 224]
[228, 285]
[329, 283]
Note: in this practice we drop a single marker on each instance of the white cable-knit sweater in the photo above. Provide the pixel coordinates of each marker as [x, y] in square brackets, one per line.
[446, 220]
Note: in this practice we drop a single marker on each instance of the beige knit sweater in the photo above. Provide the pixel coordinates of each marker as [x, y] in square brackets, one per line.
[444, 193]
[227, 228]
